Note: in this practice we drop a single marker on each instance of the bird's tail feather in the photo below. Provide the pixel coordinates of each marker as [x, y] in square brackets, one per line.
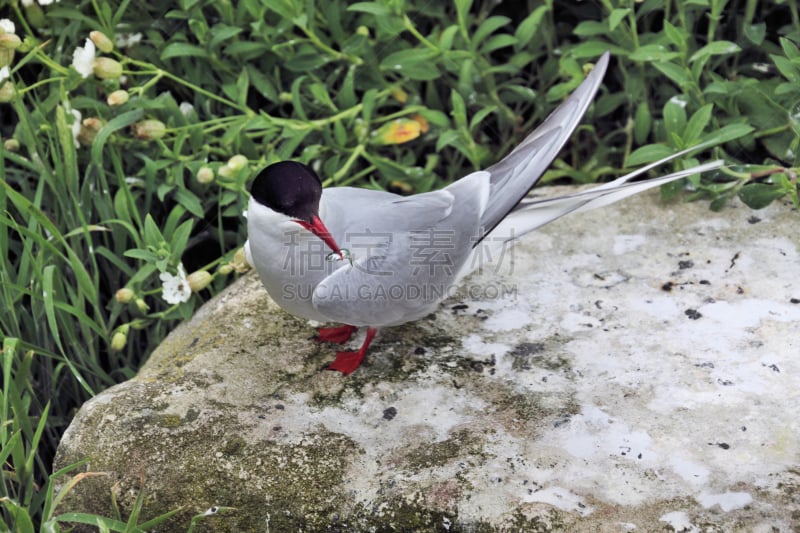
[514, 175]
[536, 212]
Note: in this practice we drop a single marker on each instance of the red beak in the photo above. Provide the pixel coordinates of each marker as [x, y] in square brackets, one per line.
[318, 228]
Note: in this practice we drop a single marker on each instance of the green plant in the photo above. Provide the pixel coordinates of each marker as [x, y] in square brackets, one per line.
[124, 168]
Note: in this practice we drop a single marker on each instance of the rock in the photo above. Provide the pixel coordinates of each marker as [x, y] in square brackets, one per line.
[633, 367]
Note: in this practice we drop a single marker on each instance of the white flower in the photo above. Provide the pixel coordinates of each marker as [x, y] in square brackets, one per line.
[46, 2]
[27, 3]
[175, 289]
[76, 125]
[186, 108]
[4, 74]
[7, 25]
[83, 58]
[126, 40]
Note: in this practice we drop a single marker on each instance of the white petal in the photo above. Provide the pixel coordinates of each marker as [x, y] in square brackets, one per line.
[7, 25]
[175, 289]
[76, 126]
[83, 58]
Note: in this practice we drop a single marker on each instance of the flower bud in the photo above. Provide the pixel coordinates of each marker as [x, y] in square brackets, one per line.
[362, 30]
[88, 130]
[360, 128]
[400, 187]
[10, 41]
[141, 305]
[225, 269]
[149, 129]
[239, 262]
[102, 42]
[6, 57]
[186, 109]
[118, 98]
[199, 280]
[397, 131]
[6, 91]
[225, 172]
[237, 162]
[124, 295]
[118, 341]
[400, 95]
[205, 175]
[11, 145]
[106, 68]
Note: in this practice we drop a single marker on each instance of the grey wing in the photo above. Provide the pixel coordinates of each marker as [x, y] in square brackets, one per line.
[407, 256]
[515, 174]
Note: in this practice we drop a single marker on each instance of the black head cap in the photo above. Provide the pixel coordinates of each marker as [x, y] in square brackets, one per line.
[290, 188]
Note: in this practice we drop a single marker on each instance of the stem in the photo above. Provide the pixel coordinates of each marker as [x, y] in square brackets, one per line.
[157, 73]
[345, 168]
[327, 49]
[421, 38]
[771, 131]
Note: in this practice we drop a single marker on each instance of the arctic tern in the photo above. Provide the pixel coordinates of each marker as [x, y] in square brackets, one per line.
[380, 259]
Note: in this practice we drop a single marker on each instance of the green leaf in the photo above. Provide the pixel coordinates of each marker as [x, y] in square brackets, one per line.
[144, 255]
[755, 33]
[786, 68]
[652, 52]
[678, 74]
[676, 36]
[591, 28]
[728, 133]
[183, 50]
[122, 121]
[642, 123]
[447, 36]
[189, 201]
[498, 41]
[152, 235]
[760, 195]
[459, 111]
[21, 519]
[696, 125]
[373, 8]
[49, 307]
[415, 63]
[648, 154]
[530, 25]
[715, 48]
[221, 33]
[674, 117]
[320, 92]
[789, 48]
[435, 117]
[488, 27]
[616, 16]
[589, 49]
[478, 117]
[306, 62]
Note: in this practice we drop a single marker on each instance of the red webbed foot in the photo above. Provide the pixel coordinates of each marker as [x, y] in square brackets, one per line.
[347, 362]
[338, 335]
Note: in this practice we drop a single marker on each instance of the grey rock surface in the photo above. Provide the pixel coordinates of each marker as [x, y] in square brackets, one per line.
[630, 368]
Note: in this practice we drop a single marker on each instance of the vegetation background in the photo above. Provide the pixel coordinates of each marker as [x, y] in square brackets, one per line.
[125, 162]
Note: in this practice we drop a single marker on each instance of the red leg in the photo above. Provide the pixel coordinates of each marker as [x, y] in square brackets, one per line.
[339, 334]
[346, 362]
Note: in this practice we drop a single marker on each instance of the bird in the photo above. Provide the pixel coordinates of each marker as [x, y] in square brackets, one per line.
[374, 259]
